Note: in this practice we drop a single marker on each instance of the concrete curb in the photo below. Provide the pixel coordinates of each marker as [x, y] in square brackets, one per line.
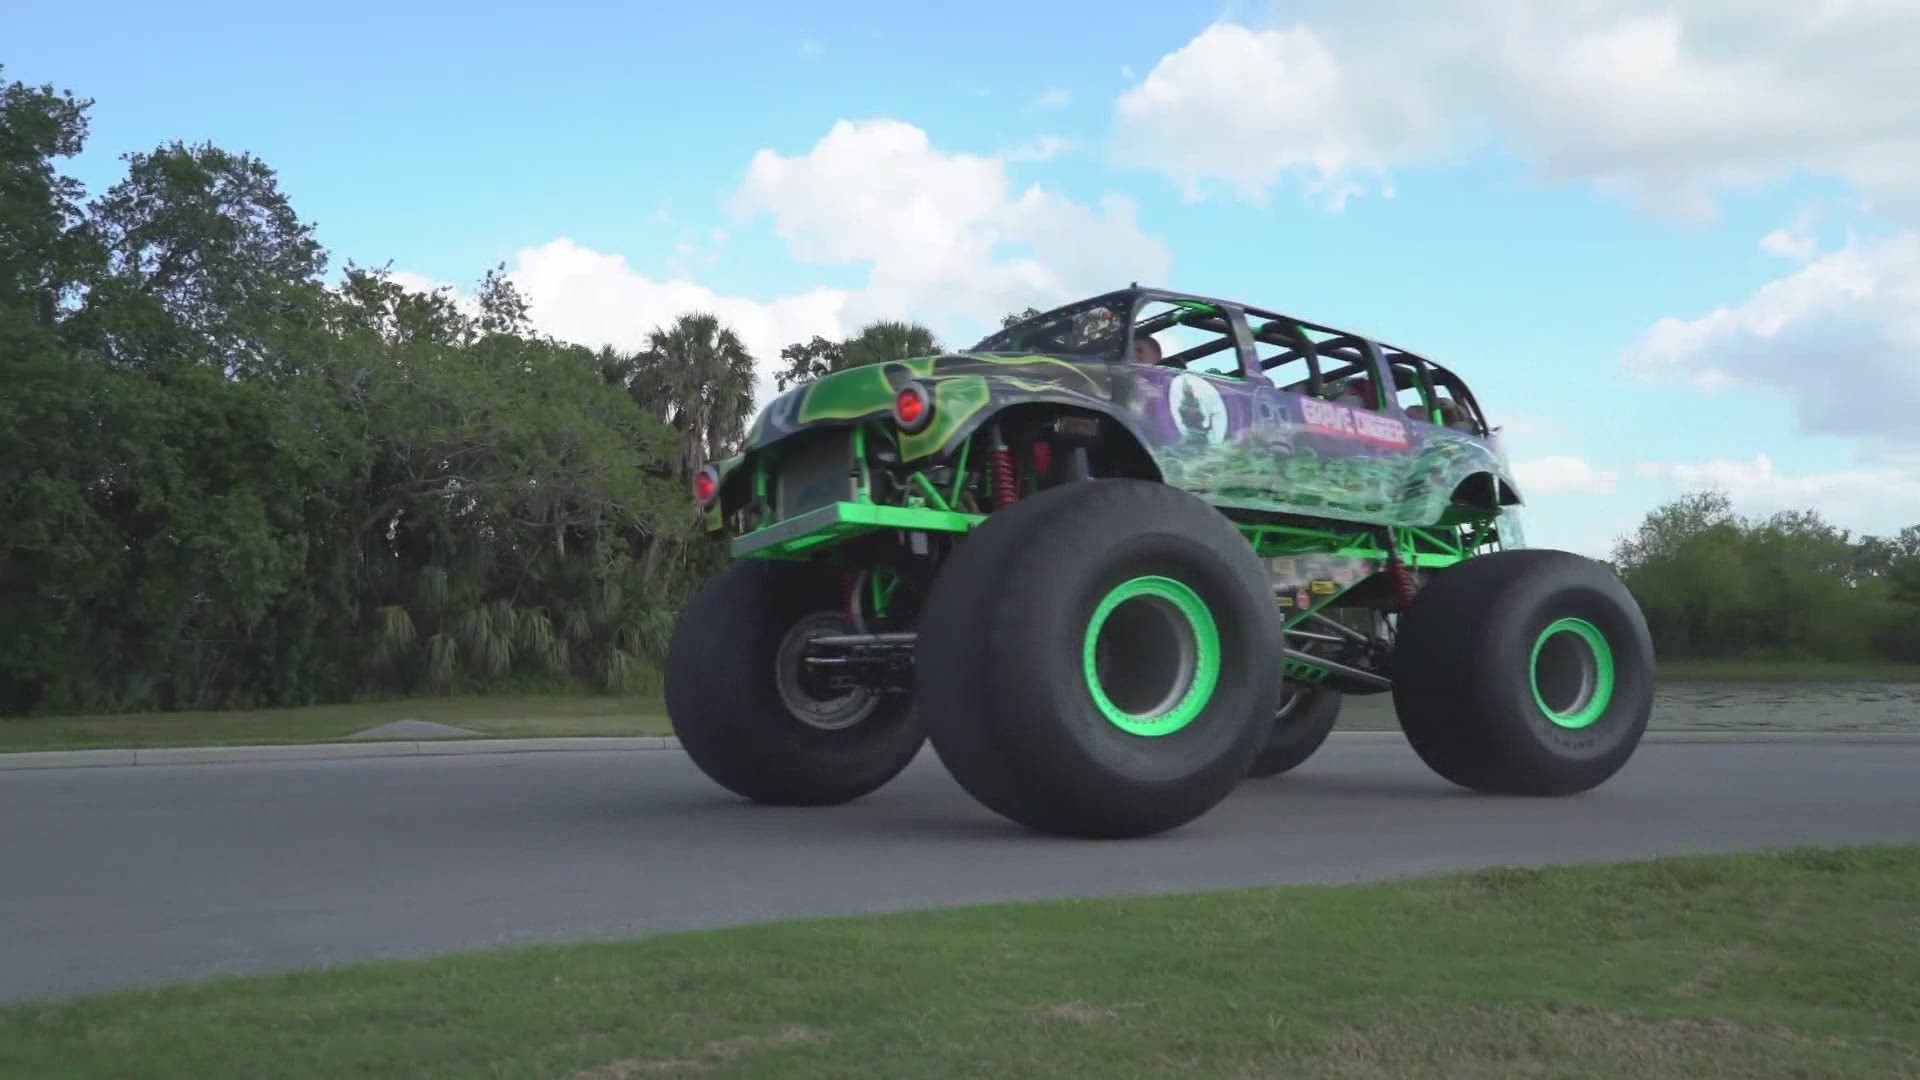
[203, 755]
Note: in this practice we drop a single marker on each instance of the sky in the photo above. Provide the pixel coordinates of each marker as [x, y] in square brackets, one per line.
[1670, 246]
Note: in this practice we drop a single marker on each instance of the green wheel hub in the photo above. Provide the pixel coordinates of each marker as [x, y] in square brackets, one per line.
[1152, 656]
[1571, 670]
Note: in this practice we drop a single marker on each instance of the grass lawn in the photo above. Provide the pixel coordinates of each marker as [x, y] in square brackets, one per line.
[521, 715]
[1802, 963]
[490, 715]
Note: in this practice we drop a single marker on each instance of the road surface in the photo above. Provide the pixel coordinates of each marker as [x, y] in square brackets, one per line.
[118, 877]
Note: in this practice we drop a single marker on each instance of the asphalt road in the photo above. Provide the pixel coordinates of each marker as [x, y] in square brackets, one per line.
[115, 877]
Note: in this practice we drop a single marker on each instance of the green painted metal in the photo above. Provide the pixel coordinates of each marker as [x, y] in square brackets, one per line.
[1304, 672]
[934, 497]
[1424, 548]
[1590, 636]
[801, 536]
[960, 473]
[1206, 668]
[885, 581]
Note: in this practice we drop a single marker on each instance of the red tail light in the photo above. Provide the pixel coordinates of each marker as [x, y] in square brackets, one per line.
[705, 483]
[912, 408]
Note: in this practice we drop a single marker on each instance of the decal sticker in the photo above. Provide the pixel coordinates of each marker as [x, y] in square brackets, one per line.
[1324, 588]
[1239, 444]
[1198, 412]
[1346, 422]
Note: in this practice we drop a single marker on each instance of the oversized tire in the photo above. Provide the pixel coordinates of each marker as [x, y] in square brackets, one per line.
[1524, 672]
[1305, 719]
[743, 716]
[1096, 660]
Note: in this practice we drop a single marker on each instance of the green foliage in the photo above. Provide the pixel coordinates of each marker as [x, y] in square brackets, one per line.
[806, 361]
[1791, 586]
[225, 483]
[42, 254]
[876, 343]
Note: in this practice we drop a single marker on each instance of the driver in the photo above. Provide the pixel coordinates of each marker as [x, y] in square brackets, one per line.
[1146, 351]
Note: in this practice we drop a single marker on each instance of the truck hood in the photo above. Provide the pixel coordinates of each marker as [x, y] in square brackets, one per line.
[961, 384]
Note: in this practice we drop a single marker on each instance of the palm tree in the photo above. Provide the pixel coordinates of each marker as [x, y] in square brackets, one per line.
[887, 340]
[696, 376]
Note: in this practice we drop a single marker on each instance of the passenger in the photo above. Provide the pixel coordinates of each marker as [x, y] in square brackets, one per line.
[1146, 351]
[1455, 417]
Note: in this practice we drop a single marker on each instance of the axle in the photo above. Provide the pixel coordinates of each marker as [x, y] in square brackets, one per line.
[838, 664]
[842, 663]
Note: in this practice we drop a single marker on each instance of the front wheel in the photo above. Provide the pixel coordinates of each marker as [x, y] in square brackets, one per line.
[745, 710]
[1524, 672]
[1094, 660]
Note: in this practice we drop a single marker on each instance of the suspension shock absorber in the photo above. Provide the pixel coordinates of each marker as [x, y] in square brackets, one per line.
[1401, 576]
[1005, 490]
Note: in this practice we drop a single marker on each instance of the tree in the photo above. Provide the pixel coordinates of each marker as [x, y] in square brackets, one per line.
[877, 343]
[886, 341]
[808, 361]
[204, 258]
[1013, 317]
[697, 377]
[1792, 584]
[225, 484]
[43, 257]
[1894, 559]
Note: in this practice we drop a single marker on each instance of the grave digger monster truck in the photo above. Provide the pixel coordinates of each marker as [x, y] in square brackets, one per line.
[1119, 557]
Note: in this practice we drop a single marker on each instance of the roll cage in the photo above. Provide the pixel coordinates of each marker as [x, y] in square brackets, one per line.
[1105, 327]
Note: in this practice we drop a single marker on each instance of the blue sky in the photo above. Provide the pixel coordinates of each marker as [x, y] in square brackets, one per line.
[1528, 196]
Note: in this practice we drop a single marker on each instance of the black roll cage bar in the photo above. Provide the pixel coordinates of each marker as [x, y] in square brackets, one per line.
[1381, 363]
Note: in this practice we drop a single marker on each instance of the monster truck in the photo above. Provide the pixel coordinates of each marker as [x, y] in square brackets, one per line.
[1122, 556]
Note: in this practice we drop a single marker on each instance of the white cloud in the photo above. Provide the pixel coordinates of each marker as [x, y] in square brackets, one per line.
[1247, 106]
[1042, 148]
[593, 298]
[1662, 108]
[943, 235]
[1562, 475]
[421, 283]
[1840, 337]
[1052, 98]
[1797, 240]
[1875, 500]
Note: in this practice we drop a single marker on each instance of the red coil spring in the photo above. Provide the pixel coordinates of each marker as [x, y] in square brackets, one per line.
[1402, 580]
[1005, 492]
[847, 596]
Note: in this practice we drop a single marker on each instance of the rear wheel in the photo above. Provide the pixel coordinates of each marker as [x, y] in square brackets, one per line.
[1305, 718]
[1094, 660]
[1525, 672]
[745, 709]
